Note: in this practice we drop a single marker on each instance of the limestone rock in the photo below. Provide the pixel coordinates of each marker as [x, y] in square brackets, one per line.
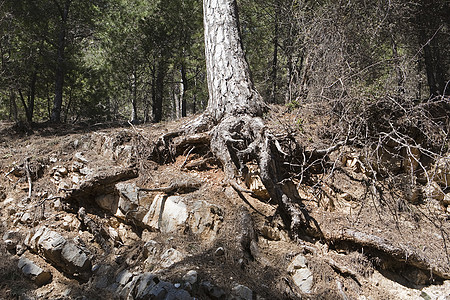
[174, 215]
[168, 214]
[301, 274]
[170, 257]
[60, 252]
[191, 277]
[79, 156]
[128, 196]
[34, 272]
[205, 220]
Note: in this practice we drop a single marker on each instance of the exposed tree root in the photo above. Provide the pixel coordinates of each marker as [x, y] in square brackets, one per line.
[235, 141]
[378, 245]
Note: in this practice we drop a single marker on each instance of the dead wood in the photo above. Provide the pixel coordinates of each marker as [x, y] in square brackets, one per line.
[397, 252]
[101, 182]
[28, 173]
[201, 164]
[96, 228]
[178, 186]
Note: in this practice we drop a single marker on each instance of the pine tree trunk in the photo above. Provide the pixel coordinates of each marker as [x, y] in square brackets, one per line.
[231, 90]
[60, 64]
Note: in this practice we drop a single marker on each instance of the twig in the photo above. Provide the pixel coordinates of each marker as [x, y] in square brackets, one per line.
[30, 182]
[137, 132]
[187, 157]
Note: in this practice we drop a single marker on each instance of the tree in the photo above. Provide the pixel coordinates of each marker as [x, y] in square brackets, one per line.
[232, 123]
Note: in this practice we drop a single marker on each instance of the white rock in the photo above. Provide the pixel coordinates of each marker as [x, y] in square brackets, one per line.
[303, 278]
[80, 157]
[174, 215]
[300, 273]
[26, 218]
[170, 257]
[191, 277]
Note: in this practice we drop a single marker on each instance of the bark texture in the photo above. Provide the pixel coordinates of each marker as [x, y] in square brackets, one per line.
[231, 90]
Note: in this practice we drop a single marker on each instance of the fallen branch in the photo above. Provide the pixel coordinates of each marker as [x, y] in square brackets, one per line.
[181, 187]
[27, 171]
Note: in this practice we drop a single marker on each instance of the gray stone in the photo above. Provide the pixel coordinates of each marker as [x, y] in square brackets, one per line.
[26, 218]
[241, 292]
[174, 215]
[303, 278]
[191, 277]
[80, 157]
[55, 248]
[76, 260]
[31, 270]
[128, 196]
[213, 291]
[51, 243]
[168, 214]
[298, 262]
[146, 282]
[205, 220]
[157, 292]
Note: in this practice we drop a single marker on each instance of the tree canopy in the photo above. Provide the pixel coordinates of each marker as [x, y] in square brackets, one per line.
[72, 60]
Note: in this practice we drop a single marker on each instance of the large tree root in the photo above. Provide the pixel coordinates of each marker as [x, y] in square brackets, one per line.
[382, 247]
[236, 141]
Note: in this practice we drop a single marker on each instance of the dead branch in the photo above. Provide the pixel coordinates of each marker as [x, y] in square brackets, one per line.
[27, 171]
[181, 187]
[97, 230]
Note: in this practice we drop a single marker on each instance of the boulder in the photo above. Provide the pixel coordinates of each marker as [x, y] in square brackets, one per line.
[174, 215]
[128, 196]
[34, 272]
[167, 214]
[146, 286]
[70, 257]
[75, 258]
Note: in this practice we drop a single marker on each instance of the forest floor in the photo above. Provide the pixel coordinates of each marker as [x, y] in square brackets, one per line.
[372, 245]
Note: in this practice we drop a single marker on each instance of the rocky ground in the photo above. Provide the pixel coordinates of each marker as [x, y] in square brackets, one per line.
[86, 214]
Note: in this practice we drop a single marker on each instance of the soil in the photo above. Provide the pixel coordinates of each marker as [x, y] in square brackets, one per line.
[367, 247]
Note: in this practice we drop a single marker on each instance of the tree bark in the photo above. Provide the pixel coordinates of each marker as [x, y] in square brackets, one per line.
[159, 91]
[231, 90]
[60, 63]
